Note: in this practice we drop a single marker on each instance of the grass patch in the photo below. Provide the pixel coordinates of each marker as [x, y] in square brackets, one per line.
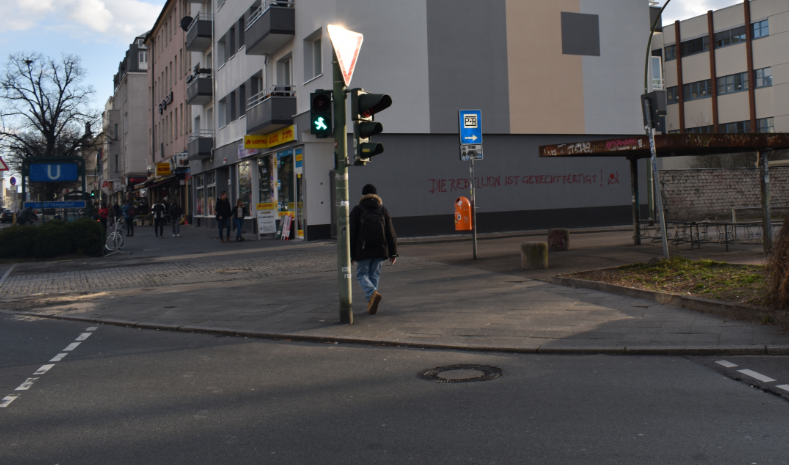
[702, 278]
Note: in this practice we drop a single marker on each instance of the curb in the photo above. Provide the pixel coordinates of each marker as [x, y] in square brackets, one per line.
[726, 309]
[547, 350]
[491, 236]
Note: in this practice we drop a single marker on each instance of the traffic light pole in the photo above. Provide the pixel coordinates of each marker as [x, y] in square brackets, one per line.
[661, 214]
[341, 194]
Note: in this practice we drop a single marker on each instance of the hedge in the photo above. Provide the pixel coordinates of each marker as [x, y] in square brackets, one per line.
[53, 238]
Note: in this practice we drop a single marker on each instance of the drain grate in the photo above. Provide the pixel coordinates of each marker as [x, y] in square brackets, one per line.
[461, 373]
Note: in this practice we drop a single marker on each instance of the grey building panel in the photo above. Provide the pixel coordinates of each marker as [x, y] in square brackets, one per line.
[580, 34]
[467, 63]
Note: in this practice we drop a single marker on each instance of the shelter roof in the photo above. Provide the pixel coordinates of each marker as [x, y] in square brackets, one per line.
[670, 145]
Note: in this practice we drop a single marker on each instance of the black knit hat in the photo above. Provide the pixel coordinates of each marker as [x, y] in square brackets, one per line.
[369, 189]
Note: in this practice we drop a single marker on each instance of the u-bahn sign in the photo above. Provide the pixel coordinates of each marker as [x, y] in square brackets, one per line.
[54, 172]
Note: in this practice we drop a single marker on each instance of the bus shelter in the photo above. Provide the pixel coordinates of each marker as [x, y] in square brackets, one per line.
[676, 145]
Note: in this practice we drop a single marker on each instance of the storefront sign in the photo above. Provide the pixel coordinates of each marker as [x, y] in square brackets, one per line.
[267, 220]
[134, 180]
[273, 139]
[267, 206]
[299, 160]
[163, 169]
[243, 153]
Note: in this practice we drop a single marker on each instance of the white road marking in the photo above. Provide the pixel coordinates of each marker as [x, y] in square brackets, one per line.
[7, 400]
[785, 387]
[58, 357]
[26, 385]
[92, 328]
[5, 275]
[71, 346]
[726, 364]
[759, 376]
[83, 336]
[44, 369]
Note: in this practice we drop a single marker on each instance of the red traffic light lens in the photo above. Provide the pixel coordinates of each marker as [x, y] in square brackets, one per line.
[321, 102]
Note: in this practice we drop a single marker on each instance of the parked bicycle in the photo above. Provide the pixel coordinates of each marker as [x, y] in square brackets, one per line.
[114, 241]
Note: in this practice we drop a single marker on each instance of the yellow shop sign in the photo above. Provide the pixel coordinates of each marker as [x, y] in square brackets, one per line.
[273, 139]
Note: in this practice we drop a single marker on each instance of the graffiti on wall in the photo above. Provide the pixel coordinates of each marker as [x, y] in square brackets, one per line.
[463, 184]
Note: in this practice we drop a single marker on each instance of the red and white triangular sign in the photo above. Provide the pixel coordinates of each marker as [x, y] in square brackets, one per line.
[3, 166]
[346, 45]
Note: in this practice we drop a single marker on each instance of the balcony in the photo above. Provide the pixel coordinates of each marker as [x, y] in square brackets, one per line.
[198, 36]
[271, 109]
[200, 144]
[200, 88]
[270, 27]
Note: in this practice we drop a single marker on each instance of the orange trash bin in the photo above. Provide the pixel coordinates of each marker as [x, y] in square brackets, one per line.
[463, 214]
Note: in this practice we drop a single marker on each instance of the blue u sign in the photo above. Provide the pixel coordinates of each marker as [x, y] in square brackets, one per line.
[53, 172]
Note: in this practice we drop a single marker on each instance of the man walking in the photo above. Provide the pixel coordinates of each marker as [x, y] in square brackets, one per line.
[129, 212]
[175, 217]
[373, 240]
[223, 214]
[158, 219]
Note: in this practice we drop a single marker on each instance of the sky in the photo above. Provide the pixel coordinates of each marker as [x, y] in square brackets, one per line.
[100, 31]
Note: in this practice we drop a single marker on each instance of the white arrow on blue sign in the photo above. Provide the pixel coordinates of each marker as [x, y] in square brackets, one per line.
[470, 125]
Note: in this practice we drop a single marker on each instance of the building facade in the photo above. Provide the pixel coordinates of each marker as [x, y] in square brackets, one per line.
[123, 153]
[540, 72]
[727, 71]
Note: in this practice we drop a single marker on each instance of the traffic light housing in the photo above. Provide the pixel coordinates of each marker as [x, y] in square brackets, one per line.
[364, 106]
[657, 108]
[320, 114]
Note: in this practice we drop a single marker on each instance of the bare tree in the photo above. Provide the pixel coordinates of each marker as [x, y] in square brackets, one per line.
[45, 111]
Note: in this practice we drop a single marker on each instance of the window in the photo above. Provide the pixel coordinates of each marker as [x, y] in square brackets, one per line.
[692, 47]
[125, 123]
[760, 29]
[697, 90]
[730, 37]
[765, 125]
[242, 101]
[739, 127]
[284, 72]
[177, 126]
[671, 52]
[245, 185]
[699, 130]
[657, 73]
[210, 183]
[143, 57]
[732, 83]
[672, 95]
[222, 113]
[313, 63]
[199, 194]
[116, 162]
[233, 113]
[116, 131]
[764, 77]
[240, 29]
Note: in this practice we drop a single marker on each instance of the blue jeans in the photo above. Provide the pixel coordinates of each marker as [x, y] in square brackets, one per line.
[368, 272]
[224, 223]
[239, 222]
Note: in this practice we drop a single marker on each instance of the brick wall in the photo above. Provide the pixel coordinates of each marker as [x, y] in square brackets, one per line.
[699, 194]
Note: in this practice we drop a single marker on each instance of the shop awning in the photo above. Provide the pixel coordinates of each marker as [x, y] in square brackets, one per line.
[670, 145]
[160, 181]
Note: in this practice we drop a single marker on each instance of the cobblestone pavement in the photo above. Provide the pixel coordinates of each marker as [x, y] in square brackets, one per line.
[166, 274]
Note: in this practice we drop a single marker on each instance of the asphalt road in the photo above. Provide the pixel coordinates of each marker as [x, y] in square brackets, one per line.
[126, 396]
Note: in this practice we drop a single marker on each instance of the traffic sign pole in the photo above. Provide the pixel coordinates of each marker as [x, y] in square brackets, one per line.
[470, 133]
[473, 211]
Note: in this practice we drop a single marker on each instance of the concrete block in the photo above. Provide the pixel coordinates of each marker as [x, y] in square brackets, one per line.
[559, 239]
[534, 255]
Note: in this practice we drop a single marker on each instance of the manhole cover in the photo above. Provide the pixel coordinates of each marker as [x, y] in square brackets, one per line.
[461, 373]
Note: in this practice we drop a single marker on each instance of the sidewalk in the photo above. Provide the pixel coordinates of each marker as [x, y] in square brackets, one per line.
[433, 297]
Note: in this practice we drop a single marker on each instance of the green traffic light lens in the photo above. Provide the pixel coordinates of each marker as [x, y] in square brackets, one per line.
[320, 124]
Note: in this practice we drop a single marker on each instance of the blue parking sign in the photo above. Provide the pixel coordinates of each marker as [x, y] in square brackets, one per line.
[470, 125]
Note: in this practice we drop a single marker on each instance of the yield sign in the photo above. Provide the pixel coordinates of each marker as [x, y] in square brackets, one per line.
[346, 45]
[3, 166]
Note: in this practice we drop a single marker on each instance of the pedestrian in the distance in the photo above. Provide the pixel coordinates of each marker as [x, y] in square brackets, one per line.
[158, 219]
[129, 212]
[373, 240]
[223, 214]
[104, 213]
[238, 219]
[175, 217]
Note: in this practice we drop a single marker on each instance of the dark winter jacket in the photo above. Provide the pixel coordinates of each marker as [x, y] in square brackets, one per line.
[368, 203]
[223, 209]
[175, 211]
[158, 210]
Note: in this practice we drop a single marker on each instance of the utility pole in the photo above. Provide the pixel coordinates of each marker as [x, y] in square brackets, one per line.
[341, 194]
[767, 222]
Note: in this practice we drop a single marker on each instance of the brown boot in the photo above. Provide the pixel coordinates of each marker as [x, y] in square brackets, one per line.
[372, 306]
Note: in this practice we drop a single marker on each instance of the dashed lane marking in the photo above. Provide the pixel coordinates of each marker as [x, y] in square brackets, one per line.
[58, 357]
[785, 387]
[44, 369]
[755, 375]
[83, 336]
[71, 346]
[92, 328]
[6, 401]
[26, 385]
[726, 364]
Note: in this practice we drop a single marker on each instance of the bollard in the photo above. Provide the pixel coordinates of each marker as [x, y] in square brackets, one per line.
[534, 255]
[559, 240]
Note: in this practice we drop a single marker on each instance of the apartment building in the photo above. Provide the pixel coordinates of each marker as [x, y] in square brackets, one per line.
[541, 72]
[727, 71]
[124, 152]
[168, 113]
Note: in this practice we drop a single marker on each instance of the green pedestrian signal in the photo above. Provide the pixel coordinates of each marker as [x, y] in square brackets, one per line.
[364, 106]
[320, 113]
